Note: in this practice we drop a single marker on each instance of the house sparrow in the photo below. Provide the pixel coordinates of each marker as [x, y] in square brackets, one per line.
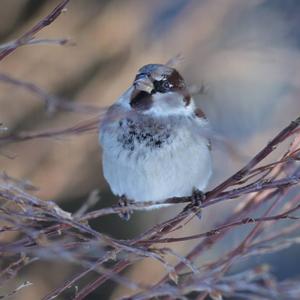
[153, 140]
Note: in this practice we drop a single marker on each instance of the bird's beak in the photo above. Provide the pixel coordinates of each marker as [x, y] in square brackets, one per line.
[143, 84]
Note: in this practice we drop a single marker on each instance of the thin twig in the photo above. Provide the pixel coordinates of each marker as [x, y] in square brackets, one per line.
[28, 36]
[52, 103]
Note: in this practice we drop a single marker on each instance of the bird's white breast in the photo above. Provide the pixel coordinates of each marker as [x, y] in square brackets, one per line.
[172, 164]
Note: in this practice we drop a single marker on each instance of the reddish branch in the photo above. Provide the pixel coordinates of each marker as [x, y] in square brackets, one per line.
[281, 136]
[228, 195]
[217, 230]
[217, 195]
[76, 227]
[28, 36]
[166, 227]
[253, 203]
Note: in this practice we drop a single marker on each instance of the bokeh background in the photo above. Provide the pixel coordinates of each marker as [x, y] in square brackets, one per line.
[245, 53]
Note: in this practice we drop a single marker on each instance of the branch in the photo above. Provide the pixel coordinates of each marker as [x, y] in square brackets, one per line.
[65, 234]
[270, 147]
[217, 230]
[228, 195]
[52, 103]
[90, 125]
[169, 225]
[28, 36]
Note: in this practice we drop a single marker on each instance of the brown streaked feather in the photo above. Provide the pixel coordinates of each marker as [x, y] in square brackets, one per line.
[179, 85]
[176, 80]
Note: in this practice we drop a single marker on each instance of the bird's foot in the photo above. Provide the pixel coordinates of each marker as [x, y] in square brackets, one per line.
[198, 198]
[125, 212]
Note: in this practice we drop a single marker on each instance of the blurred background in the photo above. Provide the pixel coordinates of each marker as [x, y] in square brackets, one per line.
[245, 53]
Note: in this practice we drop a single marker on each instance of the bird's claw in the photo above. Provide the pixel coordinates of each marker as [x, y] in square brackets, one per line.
[197, 199]
[125, 212]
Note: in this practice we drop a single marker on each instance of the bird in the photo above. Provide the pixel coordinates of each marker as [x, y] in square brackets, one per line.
[154, 141]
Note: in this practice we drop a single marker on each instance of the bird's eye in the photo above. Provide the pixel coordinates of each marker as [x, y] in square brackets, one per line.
[166, 85]
[161, 86]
